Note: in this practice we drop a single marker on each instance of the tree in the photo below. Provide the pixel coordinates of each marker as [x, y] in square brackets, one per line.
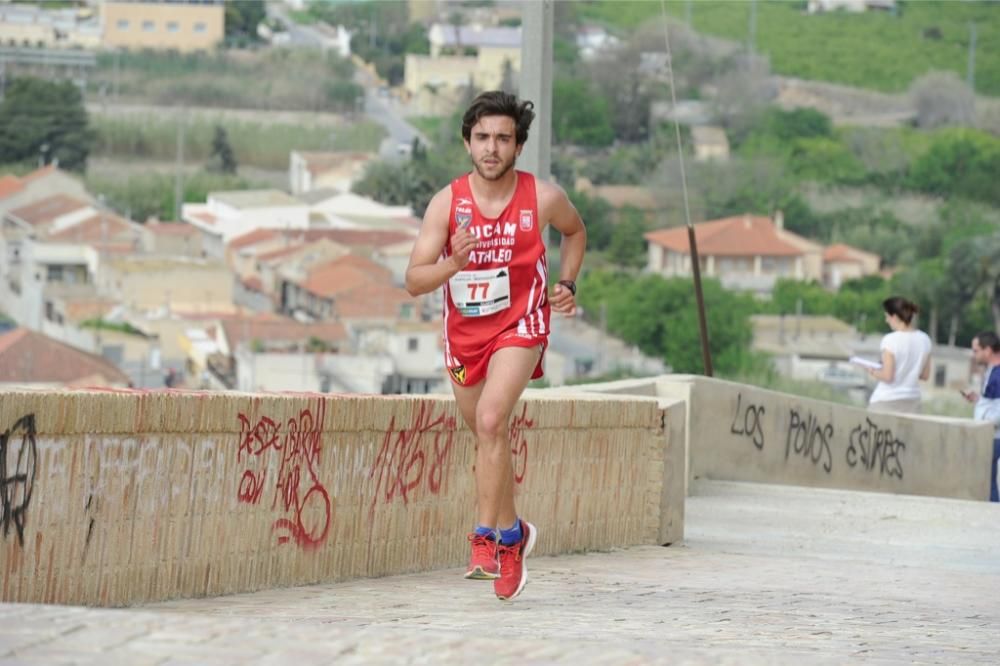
[243, 17]
[579, 115]
[222, 159]
[960, 162]
[47, 120]
[596, 214]
[661, 318]
[628, 246]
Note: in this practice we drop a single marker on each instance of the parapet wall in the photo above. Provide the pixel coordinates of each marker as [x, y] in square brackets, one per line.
[742, 433]
[122, 498]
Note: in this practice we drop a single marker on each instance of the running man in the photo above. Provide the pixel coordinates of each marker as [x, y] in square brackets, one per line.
[482, 239]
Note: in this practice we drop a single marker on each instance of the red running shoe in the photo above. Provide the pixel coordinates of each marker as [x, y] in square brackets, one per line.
[513, 572]
[483, 563]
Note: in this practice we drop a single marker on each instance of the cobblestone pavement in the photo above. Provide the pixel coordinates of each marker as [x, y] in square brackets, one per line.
[767, 574]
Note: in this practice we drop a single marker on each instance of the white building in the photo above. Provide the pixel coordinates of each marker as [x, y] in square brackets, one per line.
[227, 215]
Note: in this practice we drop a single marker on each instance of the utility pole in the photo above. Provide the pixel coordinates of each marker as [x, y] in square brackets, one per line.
[118, 71]
[179, 168]
[536, 84]
[752, 36]
[970, 68]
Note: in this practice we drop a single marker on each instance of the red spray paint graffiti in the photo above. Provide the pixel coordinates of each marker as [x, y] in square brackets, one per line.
[400, 466]
[519, 443]
[303, 498]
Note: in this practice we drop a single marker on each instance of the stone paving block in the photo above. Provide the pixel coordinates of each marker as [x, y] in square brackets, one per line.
[876, 578]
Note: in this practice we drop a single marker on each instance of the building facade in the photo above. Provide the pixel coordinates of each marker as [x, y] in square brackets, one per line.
[195, 25]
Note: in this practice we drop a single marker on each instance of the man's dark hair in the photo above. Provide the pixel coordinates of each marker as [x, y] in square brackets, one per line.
[988, 339]
[499, 103]
[902, 308]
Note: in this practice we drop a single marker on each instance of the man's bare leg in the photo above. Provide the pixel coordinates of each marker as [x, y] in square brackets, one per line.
[508, 374]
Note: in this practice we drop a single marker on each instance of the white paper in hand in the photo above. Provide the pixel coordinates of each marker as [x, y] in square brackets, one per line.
[865, 363]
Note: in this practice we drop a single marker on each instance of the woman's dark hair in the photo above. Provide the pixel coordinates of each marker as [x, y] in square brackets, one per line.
[499, 103]
[902, 308]
[989, 339]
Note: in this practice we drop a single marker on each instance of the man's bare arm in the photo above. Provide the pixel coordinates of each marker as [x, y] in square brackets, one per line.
[426, 270]
[563, 216]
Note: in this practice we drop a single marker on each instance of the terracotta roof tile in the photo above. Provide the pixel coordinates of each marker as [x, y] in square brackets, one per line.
[29, 357]
[344, 274]
[206, 217]
[356, 237]
[237, 330]
[9, 185]
[49, 208]
[40, 173]
[372, 300]
[252, 238]
[738, 236]
[94, 229]
[171, 228]
[280, 252]
[840, 252]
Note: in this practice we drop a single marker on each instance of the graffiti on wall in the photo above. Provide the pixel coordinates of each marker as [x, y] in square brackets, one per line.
[298, 493]
[748, 422]
[18, 459]
[810, 438]
[871, 446]
[519, 443]
[413, 457]
[868, 447]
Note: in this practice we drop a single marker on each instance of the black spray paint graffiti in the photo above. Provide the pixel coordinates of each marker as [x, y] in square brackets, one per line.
[809, 438]
[747, 422]
[18, 455]
[870, 445]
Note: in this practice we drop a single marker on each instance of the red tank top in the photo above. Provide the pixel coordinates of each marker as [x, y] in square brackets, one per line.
[503, 288]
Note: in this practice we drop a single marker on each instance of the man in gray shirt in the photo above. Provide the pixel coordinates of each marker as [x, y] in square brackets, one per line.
[986, 351]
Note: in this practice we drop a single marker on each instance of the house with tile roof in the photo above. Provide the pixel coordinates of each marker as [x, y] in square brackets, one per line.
[29, 359]
[336, 170]
[227, 215]
[352, 289]
[843, 262]
[174, 238]
[744, 252]
[17, 191]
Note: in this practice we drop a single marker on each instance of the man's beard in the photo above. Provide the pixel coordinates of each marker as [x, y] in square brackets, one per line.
[498, 176]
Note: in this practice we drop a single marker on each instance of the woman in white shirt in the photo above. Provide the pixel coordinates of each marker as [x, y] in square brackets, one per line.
[906, 358]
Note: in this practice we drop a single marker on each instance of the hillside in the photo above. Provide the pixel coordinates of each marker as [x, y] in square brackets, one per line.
[874, 50]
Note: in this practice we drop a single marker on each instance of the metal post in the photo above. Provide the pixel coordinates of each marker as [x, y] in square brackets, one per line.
[536, 84]
[970, 68]
[706, 352]
[179, 169]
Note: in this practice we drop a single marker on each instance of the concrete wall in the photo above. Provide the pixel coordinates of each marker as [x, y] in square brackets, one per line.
[114, 498]
[742, 433]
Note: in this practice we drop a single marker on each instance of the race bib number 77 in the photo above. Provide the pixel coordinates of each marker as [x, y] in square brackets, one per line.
[480, 293]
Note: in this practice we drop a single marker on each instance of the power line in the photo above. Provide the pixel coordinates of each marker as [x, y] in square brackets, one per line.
[706, 353]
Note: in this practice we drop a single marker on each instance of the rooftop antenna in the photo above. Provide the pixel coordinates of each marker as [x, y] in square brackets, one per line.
[706, 352]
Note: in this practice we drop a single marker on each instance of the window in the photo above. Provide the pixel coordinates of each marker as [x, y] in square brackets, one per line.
[148, 26]
[173, 26]
[55, 274]
[199, 27]
[123, 24]
[412, 344]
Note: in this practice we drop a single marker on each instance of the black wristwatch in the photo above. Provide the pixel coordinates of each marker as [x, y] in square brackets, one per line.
[569, 284]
